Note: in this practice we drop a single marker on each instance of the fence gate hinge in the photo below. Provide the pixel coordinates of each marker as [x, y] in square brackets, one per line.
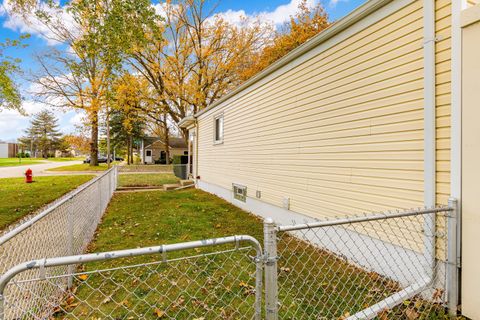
[270, 260]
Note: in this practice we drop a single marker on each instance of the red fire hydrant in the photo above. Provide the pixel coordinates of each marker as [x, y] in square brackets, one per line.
[28, 176]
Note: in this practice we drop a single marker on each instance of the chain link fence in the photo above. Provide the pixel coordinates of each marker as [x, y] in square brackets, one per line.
[395, 265]
[176, 281]
[385, 266]
[64, 228]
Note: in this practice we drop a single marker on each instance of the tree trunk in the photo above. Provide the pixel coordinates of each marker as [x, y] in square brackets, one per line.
[131, 149]
[166, 139]
[128, 151]
[94, 139]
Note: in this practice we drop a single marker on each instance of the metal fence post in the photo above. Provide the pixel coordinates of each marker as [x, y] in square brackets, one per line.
[71, 239]
[2, 307]
[452, 258]
[271, 287]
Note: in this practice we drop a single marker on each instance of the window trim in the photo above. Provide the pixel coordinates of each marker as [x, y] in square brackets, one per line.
[215, 118]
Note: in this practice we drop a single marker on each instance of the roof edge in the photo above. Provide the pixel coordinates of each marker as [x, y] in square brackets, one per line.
[337, 27]
[186, 122]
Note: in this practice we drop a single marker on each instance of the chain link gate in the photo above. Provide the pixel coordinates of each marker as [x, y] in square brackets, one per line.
[225, 284]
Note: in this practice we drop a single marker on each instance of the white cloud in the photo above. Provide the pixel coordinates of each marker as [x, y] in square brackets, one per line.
[31, 24]
[13, 124]
[278, 16]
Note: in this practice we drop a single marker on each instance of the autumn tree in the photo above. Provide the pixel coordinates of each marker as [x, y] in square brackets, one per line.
[78, 142]
[304, 25]
[10, 97]
[198, 59]
[130, 101]
[102, 34]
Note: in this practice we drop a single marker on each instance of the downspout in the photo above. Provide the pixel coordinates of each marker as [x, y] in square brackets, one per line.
[429, 134]
[429, 173]
[195, 157]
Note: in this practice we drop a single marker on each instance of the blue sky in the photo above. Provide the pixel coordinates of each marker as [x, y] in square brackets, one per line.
[12, 124]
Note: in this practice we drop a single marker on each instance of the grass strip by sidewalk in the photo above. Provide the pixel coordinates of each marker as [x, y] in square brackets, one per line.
[145, 179]
[19, 198]
[82, 167]
[208, 286]
[14, 162]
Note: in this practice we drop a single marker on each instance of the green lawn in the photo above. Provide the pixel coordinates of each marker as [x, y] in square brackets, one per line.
[81, 167]
[209, 286]
[61, 159]
[12, 162]
[19, 198]
[146, 180]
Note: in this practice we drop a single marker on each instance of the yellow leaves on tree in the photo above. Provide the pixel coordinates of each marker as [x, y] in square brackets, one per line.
[130, 93]
[78, 142]
[201, 58]
[305, 24]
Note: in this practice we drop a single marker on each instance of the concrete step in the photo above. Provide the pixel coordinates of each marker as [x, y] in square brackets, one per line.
[187, 182]
[171, 186]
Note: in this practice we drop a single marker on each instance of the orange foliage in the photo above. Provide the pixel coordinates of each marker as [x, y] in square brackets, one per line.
[78, 142]
[306, 23]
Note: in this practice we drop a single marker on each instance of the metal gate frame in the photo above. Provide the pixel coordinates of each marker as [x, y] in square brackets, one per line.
[162, 250]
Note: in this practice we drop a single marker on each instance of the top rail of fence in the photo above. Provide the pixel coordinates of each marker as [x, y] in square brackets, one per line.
[27, 224]
[365, 218]
[92, 257]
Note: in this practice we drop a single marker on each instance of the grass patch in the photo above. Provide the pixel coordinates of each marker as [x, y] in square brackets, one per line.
[20, 198]
[82, 167]
[13, 162]
[318, 281]
[62, 159]
[146, 180]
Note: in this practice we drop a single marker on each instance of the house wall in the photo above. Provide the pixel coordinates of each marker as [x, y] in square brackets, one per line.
[158, 147]
[340, 129]
[12, 150]
[471, 3]
[470, 162]
[3, 150]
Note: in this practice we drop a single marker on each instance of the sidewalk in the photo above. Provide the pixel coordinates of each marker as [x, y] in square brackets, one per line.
[38, 169]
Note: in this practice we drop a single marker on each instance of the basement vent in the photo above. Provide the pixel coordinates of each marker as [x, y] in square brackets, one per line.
[239, 192]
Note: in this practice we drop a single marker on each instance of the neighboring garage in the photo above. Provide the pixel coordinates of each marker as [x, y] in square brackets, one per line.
[8, 150]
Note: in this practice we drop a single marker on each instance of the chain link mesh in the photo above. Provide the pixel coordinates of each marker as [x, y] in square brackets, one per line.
[335, 272]
[64, 228]
[205, 285]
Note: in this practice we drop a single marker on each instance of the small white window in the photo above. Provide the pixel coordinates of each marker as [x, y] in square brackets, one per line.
[239, 192]
[218, 129]
[149, 153]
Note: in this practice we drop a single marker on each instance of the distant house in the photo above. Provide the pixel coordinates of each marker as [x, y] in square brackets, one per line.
[8, 149]
[152, 149]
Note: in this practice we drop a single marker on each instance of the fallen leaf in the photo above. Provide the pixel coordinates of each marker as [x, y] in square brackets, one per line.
[83, 277]
[383, 315]
[159, 313]
[411, 314]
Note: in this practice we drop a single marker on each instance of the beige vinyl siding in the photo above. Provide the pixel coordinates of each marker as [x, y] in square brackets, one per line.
[471, 3]
[340, 133]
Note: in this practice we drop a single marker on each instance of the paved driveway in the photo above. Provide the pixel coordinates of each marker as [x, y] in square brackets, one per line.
[38, 169]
